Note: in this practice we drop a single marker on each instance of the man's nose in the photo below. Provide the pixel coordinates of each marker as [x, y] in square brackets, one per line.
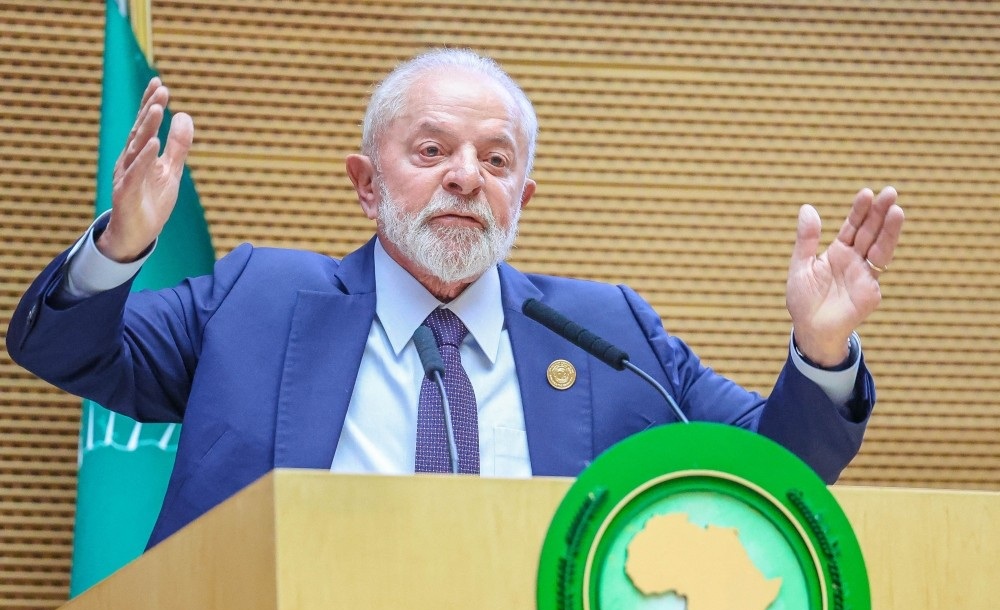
[464, 177]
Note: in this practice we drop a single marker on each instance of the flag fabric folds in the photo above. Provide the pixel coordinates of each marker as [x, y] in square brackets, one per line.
[124, 465]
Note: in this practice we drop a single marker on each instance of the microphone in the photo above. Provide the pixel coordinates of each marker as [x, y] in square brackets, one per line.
[430, 358]
[593, 345]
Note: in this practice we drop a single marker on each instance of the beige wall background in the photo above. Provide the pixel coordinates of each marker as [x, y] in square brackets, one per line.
[678, 141]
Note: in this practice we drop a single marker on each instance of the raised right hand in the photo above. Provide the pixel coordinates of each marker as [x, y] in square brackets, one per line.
[145, 183]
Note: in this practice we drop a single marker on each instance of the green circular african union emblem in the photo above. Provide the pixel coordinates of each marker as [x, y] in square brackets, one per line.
[700, 517]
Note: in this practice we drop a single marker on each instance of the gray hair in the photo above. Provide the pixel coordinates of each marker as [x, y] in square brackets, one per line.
[388, 99]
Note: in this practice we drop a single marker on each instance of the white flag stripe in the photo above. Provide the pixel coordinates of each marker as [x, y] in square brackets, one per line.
[90, 427]
[165, 439]
[133, 439]
[109, 432]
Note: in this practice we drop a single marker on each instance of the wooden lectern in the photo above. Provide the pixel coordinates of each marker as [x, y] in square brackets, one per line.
[311, 540]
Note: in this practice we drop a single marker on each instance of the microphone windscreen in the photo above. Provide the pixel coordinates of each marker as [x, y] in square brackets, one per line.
[574, 333]
[427, 349]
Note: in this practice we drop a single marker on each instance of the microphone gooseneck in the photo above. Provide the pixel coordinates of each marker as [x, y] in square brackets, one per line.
[593, 345]
[430, 358]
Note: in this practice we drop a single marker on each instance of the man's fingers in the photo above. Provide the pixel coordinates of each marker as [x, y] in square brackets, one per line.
[155, 94]
[178, 142]
[140, 168]
[881, 252]
[869, 230]
[854, 220]
[151, 87]
[806, 236]
[145, 130]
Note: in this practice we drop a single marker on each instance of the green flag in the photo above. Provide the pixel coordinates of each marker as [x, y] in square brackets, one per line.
[124, 465]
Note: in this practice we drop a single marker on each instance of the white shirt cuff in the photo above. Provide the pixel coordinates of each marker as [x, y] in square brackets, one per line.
[89, 272]
[838, 385]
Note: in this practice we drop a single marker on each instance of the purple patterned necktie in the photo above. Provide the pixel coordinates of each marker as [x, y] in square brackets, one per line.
[432, 441]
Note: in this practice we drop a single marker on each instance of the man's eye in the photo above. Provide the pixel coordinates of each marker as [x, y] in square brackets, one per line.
[431, 151]
[497, 161]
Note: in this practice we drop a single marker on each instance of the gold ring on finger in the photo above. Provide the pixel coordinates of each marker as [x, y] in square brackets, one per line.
[876, 268]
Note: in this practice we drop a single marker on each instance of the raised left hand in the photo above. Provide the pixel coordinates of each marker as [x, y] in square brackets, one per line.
[830, 294]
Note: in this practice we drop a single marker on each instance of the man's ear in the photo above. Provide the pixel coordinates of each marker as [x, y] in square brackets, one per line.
[527, 192]
[361, 171]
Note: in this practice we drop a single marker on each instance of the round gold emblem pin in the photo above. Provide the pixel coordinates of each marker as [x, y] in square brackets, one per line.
[561, 374]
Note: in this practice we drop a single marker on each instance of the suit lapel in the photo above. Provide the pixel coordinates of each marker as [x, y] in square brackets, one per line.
[322, 358]
[559, 423]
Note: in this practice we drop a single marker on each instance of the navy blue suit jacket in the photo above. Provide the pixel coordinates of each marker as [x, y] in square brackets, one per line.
[260, 358]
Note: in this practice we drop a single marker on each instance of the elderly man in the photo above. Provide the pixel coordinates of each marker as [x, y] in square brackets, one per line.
[293, 359]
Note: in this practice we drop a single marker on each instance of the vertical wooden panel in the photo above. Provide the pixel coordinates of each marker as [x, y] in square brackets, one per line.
[678, 140]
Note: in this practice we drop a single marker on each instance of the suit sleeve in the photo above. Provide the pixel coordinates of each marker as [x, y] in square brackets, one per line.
[134, 353]
[797, 414]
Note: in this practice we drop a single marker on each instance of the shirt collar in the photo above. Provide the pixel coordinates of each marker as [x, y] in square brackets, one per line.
[402, 304]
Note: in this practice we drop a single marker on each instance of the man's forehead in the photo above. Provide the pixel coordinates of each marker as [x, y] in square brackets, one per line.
[438, 86]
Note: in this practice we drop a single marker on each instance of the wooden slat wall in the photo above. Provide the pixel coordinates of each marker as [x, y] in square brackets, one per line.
[678, 140]
[50, 87]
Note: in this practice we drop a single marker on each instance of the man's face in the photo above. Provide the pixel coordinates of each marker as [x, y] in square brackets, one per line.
[451, 177]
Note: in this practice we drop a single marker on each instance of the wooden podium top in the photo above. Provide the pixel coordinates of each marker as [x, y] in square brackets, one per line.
[309, 539]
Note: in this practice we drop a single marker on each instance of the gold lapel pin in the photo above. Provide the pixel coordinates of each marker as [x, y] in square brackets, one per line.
[561, 374]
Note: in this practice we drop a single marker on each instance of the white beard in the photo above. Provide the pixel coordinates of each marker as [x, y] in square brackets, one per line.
[450, 254]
